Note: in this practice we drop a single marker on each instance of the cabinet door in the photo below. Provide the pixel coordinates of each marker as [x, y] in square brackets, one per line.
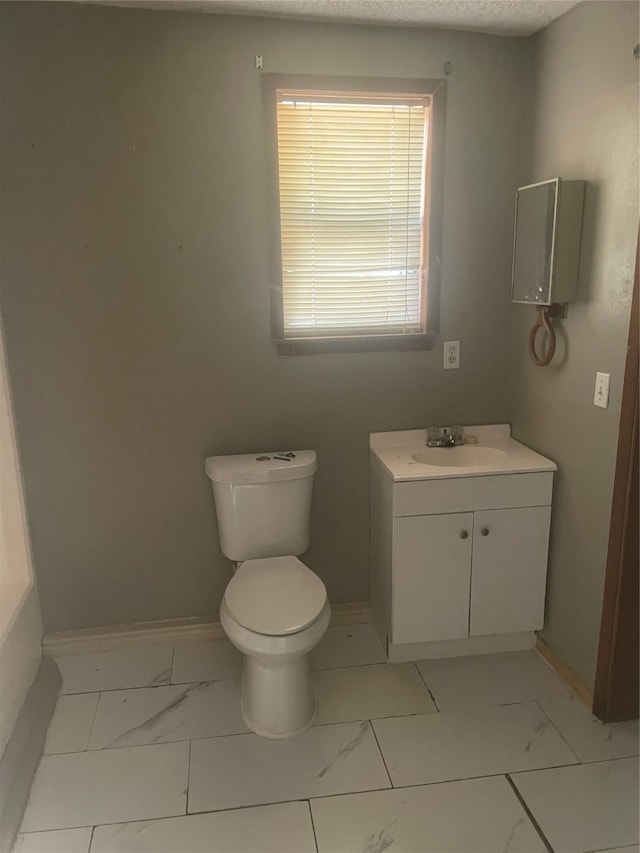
[431, 574]
[509, 570]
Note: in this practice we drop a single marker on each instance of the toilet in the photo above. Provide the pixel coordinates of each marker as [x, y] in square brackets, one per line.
[275, 610]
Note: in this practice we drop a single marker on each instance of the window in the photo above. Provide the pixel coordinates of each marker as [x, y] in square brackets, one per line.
[357, 173]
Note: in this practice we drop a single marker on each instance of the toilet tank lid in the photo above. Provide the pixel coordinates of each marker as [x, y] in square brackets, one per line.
[266, 467]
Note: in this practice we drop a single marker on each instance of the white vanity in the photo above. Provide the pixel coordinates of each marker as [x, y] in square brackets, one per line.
[459, 542]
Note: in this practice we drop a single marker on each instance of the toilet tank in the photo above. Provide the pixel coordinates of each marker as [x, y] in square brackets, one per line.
[263, 502]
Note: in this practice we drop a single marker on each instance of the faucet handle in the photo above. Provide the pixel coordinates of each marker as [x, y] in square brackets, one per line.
[453, 434]
[435, 437]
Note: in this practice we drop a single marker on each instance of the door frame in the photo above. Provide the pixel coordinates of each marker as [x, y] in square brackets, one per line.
[615, 694]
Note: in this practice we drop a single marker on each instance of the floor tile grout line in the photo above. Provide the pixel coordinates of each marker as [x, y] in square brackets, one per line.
[316, 797]
[118, 748]
[529, 813]
[412, 785]
[211, 680]
[576, 764]
[272, 803]
[133, 687]
[205, 811]
[484, 776]
[93, 722]
[157, 686]
[631, 848]
[207, 680]
[313, 826]
[192, 739]
[223, 735]
[192, 814]
[238, 734]
[61, 829]
[501, 774]
[506, 775]
[234, 680]
[395, 716]
[428, 689]
[107, 823]
[352, 665]
[296, 799]
[402, 716]
[470, 778]
[173, 657]
[586, 763]
[562, 737]
[186, 801]
[384, 761]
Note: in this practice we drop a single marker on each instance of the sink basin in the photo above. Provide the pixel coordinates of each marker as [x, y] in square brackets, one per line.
[464, 456]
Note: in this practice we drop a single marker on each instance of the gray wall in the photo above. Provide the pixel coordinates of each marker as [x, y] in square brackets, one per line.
[585, 126]
[135, 291]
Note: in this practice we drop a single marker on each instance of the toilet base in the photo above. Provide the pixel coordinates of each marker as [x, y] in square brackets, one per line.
[277, 700]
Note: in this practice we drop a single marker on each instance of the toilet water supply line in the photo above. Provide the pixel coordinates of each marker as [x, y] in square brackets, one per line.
[542, 323]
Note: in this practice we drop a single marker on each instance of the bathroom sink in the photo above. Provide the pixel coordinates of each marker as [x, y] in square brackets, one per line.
[404, 455]
[464, 456]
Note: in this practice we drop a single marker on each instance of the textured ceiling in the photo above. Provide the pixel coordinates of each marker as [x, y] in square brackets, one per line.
[501, 17]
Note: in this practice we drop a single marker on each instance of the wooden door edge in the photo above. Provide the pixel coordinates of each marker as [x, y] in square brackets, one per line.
[627, 435]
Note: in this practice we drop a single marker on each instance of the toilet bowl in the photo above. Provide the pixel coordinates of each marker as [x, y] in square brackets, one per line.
[275, 611]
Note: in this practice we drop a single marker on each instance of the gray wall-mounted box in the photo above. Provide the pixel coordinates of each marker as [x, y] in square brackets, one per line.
[546, 243]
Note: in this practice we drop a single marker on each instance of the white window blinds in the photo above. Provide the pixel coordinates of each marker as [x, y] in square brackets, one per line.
[353, 182]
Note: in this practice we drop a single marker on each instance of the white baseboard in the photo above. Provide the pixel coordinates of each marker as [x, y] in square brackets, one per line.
[491, 644]
[88, 640]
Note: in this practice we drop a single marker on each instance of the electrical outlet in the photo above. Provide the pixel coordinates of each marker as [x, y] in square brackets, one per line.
[451, 354]
[601, 396]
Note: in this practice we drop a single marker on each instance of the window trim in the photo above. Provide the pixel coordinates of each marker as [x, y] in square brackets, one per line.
[436, 89]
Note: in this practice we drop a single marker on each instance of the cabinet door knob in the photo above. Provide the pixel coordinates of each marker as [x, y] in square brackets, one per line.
[464, 534]
[485, 531]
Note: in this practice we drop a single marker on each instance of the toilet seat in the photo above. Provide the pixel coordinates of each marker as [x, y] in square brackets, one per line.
[275, 596]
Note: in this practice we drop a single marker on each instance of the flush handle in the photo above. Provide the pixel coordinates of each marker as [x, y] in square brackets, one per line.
[485, 531]
[464, 534]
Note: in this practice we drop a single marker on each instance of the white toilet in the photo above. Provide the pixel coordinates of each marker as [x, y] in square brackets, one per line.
[275, 609]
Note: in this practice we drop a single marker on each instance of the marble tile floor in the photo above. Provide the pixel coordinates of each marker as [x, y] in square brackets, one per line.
[148, 753]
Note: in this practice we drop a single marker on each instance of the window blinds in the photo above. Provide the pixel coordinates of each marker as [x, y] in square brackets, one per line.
[352, 181]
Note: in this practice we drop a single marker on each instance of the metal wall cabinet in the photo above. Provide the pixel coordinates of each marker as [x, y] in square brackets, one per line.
[546, 245]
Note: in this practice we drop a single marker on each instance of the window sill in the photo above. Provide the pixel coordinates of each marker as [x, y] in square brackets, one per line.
[374, 343]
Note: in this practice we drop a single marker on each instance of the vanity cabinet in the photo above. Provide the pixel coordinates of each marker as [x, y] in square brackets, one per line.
[458, 558]
[467, 574]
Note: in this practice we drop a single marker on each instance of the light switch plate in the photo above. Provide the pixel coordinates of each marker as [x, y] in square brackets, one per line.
[601, 396]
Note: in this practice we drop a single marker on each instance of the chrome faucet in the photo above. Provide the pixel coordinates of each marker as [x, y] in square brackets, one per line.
[450, 436]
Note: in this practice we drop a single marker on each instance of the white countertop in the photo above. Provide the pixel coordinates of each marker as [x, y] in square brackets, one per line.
[396, 449]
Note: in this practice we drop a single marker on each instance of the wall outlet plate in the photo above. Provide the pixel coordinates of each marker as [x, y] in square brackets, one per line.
[601, 396]
[451, 354]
